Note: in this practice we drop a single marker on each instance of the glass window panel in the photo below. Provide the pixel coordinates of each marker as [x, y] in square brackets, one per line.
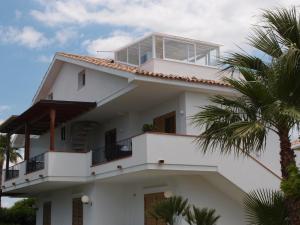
[159, 47]
[202, 54]
[122, 55]
[145, 50]
[133, 54]
[179, 51]
[191, 53]
[213, 57]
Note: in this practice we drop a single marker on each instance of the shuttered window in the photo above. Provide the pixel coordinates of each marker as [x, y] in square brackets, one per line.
[77, 212]
[165, 123]
[47, 213]
[149, 201]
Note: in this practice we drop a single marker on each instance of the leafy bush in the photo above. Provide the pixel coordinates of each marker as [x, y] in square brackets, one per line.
[148, 127]
[21, 213]
[291, 186]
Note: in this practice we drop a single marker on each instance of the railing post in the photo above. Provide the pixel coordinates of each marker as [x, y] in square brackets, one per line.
[52, 128]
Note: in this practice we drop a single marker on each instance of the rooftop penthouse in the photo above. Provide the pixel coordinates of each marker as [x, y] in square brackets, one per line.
[164, 53]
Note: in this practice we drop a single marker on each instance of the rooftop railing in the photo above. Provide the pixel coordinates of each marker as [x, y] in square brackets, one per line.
[115, 151]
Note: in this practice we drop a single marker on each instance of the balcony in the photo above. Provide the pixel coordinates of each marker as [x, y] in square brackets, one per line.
[12, 172]
[138, 157]
[46, 171]
[35, 163]
[105, 154]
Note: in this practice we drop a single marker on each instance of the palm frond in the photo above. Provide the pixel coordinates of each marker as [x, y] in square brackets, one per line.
[265, 207]
[169, 210]
[232, 125]
[285, 23]
[266, 41]
[204, 216]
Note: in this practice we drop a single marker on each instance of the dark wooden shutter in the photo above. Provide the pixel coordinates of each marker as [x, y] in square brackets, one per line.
[47, 213]
[165, 123]
[149, 201]
[77, 212]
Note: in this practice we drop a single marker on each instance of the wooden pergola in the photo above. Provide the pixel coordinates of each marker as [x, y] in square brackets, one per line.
[42, 117]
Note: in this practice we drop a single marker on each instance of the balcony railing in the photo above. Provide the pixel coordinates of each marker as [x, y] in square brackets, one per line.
[112, 152]
[35, 163]
[12, 172]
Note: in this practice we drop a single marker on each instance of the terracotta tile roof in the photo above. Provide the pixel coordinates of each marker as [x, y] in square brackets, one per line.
[135, 70]
[295, 143]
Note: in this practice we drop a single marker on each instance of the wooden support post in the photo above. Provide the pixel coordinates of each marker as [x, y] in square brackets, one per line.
[52, 129]
[7, 155]
[27, 141]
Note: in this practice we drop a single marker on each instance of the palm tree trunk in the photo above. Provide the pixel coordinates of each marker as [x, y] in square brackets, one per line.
[287, 158]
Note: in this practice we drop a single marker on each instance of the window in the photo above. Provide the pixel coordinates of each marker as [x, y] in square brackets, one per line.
[63, 133]
[77, 211]
[149, 201]
[206, 55]
[50, 96]
[179, 51]
[81, 79]
[145, 50]
[122, 55]
[133, 54]
[47, 213]
[165, 123]
[159, 47]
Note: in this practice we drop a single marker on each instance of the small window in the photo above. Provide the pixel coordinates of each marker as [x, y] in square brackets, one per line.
[81, 79]
[50, 96]
[63, 133]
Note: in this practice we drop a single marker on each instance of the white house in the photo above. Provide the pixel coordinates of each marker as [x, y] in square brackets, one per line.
[83, 137]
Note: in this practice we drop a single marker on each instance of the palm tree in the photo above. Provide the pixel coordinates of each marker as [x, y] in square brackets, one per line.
[13, 153]
[198, 216]
[265, 207]
[267, 99]
[169, 210]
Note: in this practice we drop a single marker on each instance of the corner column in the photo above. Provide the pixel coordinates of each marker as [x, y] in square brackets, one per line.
[52, 129]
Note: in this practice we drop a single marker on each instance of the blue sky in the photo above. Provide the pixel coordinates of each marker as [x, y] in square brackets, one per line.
[32, 31]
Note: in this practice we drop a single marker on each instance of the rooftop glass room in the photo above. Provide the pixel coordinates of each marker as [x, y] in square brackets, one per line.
[166, 47]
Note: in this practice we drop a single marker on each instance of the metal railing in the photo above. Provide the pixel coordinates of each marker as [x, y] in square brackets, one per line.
[35, 163]
[112, 152]
[12, 172]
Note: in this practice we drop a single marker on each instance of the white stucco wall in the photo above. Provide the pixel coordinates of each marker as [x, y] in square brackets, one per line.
[98, 85]
[123, 203]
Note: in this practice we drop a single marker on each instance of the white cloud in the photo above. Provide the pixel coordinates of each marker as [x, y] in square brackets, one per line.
[26, 36]
[103, 46]
[44, 59]
[65, 35]
[223, 21]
